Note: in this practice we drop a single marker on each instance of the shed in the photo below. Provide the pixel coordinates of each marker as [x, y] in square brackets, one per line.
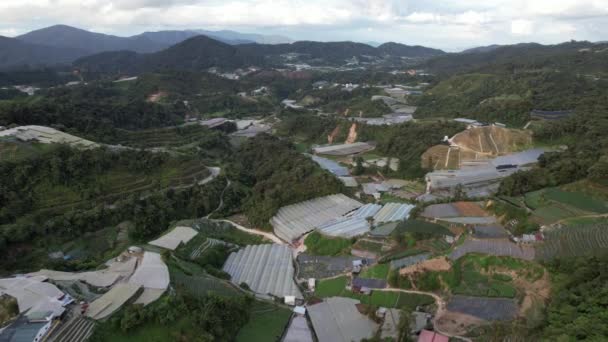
[431, 336]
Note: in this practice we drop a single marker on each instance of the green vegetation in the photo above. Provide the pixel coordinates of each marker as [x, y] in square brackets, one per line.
[319, 244]
[379, 271]
[407, 142]
[331, 287]
[480, 275]
[277, 176]
[178, 317]
[576, 311]
[266, 323]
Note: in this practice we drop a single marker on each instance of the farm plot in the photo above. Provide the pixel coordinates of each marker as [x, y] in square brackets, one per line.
[266, 323]
[318, 267]
[202, 285]
[379, 271]
[209, 243]
[491, 309]
[493, 247]
[577, 200]
[574, 240]
[419, 226]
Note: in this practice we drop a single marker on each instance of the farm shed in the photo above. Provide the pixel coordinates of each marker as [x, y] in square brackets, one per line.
[345, 227]
[367, 210]
[112, 300]
[350, 182]
[46, 135]
[267, 269]
[295, 220]
[374, 188]
[368, 283]
[34, 293]
[298, 330]
[174, 238]
[521, 158]
[102, 278]
[338, 320]
[24, 330]
[390, 325]
[393, 212]
[331, 166]
[153, 275]
[343, 149]
[409, 261]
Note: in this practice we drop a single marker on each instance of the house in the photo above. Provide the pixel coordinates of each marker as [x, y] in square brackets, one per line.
[431, 336]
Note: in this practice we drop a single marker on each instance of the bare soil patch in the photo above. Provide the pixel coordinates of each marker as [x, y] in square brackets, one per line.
[436, 264]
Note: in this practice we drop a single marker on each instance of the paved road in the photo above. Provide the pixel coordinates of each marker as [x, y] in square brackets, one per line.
[267, 235]
[215, 171]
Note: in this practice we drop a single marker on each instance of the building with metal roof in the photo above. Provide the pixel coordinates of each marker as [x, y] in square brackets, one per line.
[295, 220]
[34, 293]
[153, 275]
[344, 149]
[174, 238]
[346, 227]
[22, 330]
[350, 182]
[331, 166]
[298, 330]
[266, 269]
[393, 212]
[338, 320]
[367, 210]
[520, 158]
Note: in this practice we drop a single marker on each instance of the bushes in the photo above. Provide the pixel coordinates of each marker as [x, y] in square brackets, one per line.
[319, 244]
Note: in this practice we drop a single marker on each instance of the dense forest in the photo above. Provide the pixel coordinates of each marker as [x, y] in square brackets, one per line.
[277, 175]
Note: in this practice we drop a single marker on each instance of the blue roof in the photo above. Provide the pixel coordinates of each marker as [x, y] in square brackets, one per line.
[331, 166]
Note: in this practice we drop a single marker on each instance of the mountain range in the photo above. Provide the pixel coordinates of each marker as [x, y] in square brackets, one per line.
[61, 44]
[189, 49]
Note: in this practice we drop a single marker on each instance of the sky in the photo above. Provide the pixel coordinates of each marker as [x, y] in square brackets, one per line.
[450, 25]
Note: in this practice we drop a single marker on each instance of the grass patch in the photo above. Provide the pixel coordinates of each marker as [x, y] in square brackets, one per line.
[266, 323]
[319, 244]
[331, 287]
[577, 200]
[379, 271]
[367, 245]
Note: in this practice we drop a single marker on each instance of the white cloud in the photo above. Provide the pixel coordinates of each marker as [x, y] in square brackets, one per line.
[431, 22]
[522, 27]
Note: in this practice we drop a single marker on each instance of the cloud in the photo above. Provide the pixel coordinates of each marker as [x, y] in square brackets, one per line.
[437, 23]
[522, 27]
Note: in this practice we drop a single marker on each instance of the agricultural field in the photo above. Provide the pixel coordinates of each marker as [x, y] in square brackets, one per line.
[266, 323]
[419, 226]
[165, 137]
[319, 244]
[379, 271]
[336, 288]
[202, 285]
[490, 309]
[554, 204]
[493, 247]
[574, 240]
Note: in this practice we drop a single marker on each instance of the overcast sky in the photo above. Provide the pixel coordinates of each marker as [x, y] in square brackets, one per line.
[450, 25]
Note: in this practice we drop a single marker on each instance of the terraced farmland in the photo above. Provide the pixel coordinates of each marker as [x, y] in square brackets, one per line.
[493, 247]
[202, 285]
[574, 240]
[164, 137]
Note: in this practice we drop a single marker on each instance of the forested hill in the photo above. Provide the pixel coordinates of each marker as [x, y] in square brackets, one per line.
[15, 53]
[566, 55]
[203, 52]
